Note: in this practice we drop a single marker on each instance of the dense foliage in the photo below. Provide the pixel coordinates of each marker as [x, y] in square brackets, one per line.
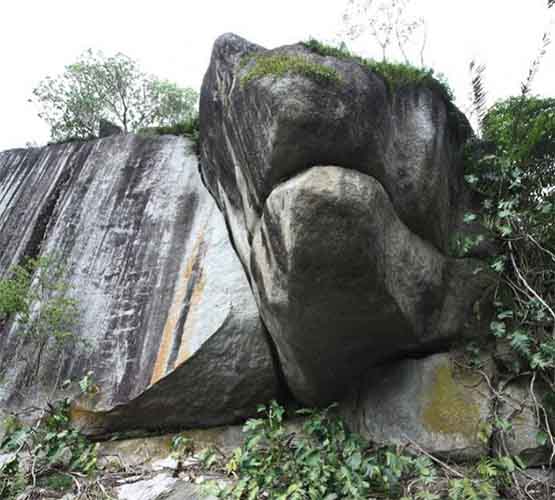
[114, 88]
[323, 461]
[515, 176]
[513, 169]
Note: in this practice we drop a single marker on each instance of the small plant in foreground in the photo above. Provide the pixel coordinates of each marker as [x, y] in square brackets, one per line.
[44, 454]
[323, 461]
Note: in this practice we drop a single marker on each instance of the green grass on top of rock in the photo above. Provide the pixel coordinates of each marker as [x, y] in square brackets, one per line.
[282, 64]
[189, 128]
[395, 74]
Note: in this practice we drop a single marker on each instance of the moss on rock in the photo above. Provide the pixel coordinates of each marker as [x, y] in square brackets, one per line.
[450, 409]
[281, 64]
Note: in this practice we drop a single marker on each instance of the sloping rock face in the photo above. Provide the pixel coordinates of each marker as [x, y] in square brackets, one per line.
[342, 196]
[168, 324]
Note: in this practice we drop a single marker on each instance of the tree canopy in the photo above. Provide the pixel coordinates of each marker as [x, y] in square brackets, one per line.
[113, 88]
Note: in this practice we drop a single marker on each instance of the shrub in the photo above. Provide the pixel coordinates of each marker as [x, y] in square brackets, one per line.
[516, 177]
[189, 128]
[324, 462]
[37, 297]
[45, 453]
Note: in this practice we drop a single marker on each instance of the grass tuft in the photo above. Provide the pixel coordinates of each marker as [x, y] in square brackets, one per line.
[396, 75]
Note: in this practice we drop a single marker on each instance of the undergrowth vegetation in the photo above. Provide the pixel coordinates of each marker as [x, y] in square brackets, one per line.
[49, 453]
[512, 167]
[323, 461]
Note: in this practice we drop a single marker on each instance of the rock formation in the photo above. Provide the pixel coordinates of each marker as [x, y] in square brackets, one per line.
[342, 195]
[434, 402]
[171, 330]
[324, 211]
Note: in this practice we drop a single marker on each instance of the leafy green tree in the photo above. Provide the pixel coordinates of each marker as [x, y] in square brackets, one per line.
[114, 88]
[532, 120]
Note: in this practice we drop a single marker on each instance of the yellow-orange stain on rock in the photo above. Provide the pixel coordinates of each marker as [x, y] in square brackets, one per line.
[86, 420]
[170, 328]
[189, 326]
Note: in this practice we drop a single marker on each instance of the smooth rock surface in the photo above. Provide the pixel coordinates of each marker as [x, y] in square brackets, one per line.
[255, 134]
[148, 489]
[342, 283]
[188, 491]
[342, 196]
[432, 402]
[170, 328]
[149, 451]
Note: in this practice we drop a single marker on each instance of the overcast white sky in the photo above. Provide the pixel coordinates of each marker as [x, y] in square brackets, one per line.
[173, 39]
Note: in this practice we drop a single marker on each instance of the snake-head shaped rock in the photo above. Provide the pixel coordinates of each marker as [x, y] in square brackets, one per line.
[341, 193]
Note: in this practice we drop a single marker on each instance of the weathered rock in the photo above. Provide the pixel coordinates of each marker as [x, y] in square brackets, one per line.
[519, 407]
[341, 196]
[107, 128]
[343, 284]
[163, 487]
[432, 402]
[348, 262]
[256, 134]
[172, 331]
[147, 451]
[30, 180]
[148, 489]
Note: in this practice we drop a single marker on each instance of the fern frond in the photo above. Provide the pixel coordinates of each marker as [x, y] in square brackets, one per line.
[479, 94]
[526, 85]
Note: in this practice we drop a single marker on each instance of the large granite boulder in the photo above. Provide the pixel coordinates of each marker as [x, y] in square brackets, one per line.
[342, 194]
[168, 324]
[343, 284]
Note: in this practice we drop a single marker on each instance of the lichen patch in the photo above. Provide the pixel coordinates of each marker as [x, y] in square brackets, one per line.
[450, 409]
